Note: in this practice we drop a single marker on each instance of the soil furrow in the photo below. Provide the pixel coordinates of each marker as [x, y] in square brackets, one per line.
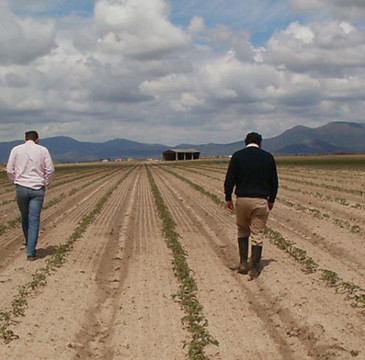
[69, 294]
[306, 328]
[69, 210]
[332, 249]
[216, 281]
[134, 297]
[15, 271]
[337, 252]
[113, 298]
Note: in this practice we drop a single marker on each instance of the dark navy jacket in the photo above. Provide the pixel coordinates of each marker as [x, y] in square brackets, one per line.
[252, 171]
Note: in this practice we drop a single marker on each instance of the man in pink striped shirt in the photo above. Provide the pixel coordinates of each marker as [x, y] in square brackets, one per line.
[31, 169]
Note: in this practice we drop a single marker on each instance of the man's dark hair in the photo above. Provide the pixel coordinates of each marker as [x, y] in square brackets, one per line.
[31, 135]
[253, 138]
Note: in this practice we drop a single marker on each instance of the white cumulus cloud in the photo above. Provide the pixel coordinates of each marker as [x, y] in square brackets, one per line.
[23, 40]
[128, 70]
[342, 9]
[322, 48]
[133, 28]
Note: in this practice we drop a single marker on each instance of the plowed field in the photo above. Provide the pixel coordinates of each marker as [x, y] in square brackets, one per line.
[137, 262]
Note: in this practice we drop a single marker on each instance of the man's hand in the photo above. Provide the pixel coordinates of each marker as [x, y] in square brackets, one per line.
[270, 204]
[230, 206]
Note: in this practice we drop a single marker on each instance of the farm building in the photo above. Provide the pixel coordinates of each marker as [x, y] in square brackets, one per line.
[181, 154]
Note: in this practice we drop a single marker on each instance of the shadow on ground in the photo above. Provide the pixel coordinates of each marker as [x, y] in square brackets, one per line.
[44, 252]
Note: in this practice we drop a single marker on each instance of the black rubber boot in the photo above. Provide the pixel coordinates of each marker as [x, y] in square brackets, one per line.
[256, 252]
[243, 267]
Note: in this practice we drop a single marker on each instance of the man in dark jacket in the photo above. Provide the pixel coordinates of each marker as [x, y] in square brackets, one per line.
[252, 172]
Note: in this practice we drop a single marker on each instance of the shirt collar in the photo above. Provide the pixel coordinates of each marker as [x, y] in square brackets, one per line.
[252, 145]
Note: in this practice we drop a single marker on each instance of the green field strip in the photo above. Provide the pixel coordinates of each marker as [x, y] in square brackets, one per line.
[9, 188]
[193, 171]
[60, 182]
[340, 162]
[316, 213]
[57, 259]
[15, 222]
[324, 186]
[339, 200]
[354, 293]
[197, 187]
[56, 183]
[217, 170]
[5, 202]
[194, 320]
[200, 166]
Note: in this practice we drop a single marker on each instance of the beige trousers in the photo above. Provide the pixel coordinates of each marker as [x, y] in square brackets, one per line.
[251, 217]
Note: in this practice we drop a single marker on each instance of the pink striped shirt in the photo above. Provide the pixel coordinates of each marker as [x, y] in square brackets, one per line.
[30, 165]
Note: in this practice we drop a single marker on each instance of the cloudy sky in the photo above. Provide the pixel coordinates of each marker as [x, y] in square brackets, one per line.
[173, 71]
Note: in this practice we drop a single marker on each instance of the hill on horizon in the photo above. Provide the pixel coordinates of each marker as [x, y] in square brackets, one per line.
[334, 137]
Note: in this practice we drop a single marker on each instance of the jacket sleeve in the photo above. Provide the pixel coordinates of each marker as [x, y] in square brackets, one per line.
[274, 182]
[229, 182]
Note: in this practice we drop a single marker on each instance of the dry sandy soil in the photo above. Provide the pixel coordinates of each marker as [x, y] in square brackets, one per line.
[113, 297]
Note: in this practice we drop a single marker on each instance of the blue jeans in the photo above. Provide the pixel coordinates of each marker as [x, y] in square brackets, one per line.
[30, 204]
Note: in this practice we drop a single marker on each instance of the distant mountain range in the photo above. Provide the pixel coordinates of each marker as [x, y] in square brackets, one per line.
[334, 137]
